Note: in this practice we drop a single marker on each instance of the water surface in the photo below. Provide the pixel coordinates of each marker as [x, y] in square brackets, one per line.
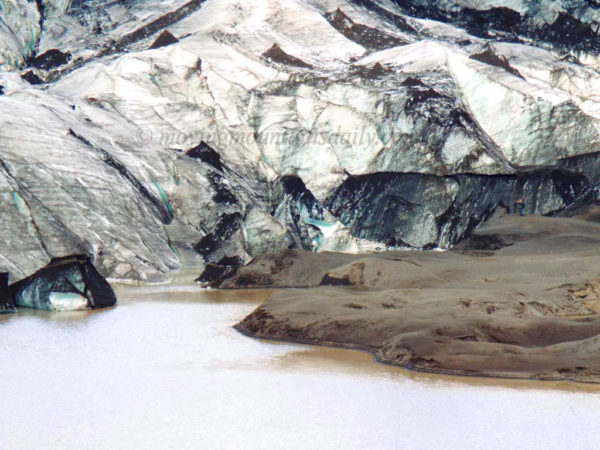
[165, 369]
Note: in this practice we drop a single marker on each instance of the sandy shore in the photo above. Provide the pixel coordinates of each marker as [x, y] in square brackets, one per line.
[519, 299]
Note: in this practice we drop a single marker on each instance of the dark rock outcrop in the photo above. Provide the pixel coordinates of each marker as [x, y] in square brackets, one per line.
[372, 73]
[369, 37]
[148, 29]
[165, 38]
[276, 54]
[498, 23]
[207, 154]
[50, 59]
[69, 283]
[489, 57]
[215, 273]
[31, 77]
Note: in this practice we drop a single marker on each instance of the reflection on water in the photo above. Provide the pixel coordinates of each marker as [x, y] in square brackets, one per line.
[165, 369]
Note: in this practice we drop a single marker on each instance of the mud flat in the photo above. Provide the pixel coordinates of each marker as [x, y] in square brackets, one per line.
[519, 299]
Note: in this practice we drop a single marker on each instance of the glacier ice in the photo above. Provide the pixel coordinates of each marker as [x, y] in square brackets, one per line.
[408, 126]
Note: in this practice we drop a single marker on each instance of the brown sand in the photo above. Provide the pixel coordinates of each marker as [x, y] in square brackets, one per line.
[519, 299]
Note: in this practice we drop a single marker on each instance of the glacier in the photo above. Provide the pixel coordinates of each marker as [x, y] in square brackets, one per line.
[150, 135]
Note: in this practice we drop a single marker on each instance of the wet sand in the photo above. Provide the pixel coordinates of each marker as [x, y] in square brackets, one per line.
[317, 357]
[519, 299]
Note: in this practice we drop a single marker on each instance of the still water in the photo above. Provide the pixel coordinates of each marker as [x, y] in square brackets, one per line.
[164, 369]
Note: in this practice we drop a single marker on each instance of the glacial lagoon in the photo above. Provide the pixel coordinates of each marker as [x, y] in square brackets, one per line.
[165, 369]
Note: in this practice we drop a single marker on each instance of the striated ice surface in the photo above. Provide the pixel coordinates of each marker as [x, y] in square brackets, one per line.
[330, 125]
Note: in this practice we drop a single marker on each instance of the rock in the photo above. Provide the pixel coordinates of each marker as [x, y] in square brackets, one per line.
[65, 284]
[376, 71]
[276, 54]
[489, 57]
[6, 301]
[571, 28]
[31, 77]
[205, 153]
[50, 59]
[369, 37]
[165, 38]
[215, 273]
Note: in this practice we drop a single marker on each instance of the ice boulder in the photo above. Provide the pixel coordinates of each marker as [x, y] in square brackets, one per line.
[65, 284]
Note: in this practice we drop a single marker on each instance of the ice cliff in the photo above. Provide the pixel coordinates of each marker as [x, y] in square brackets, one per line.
[150, 134]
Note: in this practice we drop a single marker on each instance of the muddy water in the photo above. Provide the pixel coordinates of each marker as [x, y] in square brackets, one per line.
[165, 369]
